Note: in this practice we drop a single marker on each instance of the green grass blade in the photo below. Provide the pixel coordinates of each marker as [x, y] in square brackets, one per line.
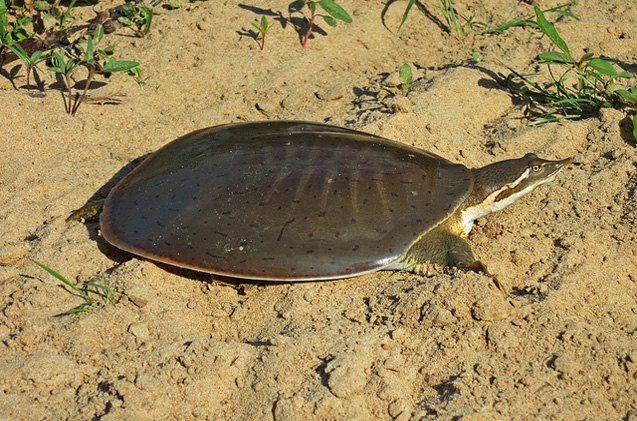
[59, 277]
[635, 127]
[550, 31]
[503, 27]
[406, 12]
[335, 10]
[20, 52]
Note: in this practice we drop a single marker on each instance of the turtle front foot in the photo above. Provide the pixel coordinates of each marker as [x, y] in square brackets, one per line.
[87, 213]
[478, 266]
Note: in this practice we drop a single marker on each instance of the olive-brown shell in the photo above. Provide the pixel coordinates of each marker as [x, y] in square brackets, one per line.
[282, 201]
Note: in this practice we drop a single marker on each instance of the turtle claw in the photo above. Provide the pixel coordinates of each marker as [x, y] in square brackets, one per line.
[480, 267]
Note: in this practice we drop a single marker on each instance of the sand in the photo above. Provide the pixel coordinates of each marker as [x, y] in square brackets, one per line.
[561, 344]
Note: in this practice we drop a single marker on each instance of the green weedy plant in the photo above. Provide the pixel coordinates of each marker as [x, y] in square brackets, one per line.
[138, 17]
[96, 61]
[58, 63]
[262, 29]
[580, 90]
[90, 291]
[30, 61]
[333, 10]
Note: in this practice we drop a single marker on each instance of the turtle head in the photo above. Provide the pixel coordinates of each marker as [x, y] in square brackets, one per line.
[498, 185]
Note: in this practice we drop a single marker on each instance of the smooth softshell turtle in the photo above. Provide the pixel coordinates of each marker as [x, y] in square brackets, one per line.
[299, 201]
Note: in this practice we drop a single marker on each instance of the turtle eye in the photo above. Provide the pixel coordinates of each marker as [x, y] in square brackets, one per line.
[535, 168]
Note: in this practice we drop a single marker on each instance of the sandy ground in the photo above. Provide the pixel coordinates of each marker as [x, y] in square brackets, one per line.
[178, 345]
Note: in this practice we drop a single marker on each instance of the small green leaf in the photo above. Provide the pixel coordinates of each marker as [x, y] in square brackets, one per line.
[98, 34]
[624, 74]
[476, 56]
[550, 31]
[406, 13]
[602, 66]
[35, 57]
[627, 96]
[635, 127]
[335, 10]
[404, 74]
[114, 66]
[125, 21]
[555, 57]
[329, 20]
[90, 52]
[257, 27]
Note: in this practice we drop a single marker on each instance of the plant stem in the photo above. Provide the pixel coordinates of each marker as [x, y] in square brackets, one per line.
[89, 79]
[67, 80]
[309, 31]
[262, 41]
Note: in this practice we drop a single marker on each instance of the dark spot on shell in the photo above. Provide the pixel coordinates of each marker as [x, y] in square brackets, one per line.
[356, 247]
[160, 224]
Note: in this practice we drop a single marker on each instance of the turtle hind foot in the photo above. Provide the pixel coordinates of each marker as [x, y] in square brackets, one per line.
[87, 213]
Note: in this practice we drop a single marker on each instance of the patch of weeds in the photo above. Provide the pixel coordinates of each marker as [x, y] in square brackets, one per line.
[91, 291]
[262, 29]
[334, 13]
[561, 9]
[447, 10]
[96, 62]
[37, 31]
[138, 18]
[577, 88]
[463, 24]
[14, 26]
[52, 15]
